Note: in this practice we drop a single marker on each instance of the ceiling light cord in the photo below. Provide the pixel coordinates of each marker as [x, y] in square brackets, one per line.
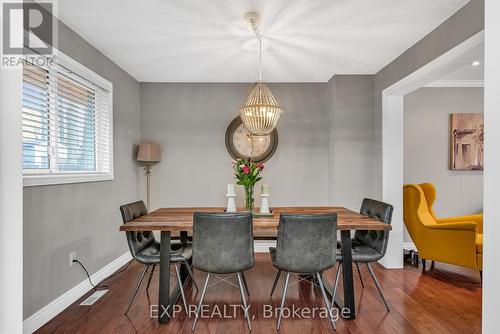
[259, 39]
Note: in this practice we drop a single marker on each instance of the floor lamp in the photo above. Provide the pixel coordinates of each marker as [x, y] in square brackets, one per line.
[148, 153]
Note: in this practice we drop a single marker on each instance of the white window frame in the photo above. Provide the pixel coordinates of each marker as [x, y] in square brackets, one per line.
[52, 178]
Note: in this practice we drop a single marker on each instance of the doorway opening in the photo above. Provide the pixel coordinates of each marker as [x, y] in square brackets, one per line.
[393, 135]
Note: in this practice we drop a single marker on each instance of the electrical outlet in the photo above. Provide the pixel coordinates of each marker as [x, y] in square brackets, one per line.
[72, 256]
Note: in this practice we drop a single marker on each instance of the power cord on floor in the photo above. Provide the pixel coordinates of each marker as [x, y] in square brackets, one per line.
[99, 286]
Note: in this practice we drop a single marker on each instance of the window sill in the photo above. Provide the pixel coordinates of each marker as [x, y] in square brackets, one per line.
[34, 180]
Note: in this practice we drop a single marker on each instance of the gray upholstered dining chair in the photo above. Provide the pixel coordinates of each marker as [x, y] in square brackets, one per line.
[223, 245]
[146, 250]
[369, 246]
[305, 245]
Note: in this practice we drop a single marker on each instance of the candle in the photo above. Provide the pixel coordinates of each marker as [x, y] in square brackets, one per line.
[230, 189]
[264, 189]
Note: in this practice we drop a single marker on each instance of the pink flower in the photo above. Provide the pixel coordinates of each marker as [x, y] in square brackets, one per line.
[260, 166]
[246, 170]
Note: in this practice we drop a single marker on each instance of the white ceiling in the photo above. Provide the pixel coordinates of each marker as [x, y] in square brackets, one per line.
[208, 41]
[467, 72]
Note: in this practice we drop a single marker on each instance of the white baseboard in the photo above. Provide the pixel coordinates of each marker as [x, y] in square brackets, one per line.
[49, 311]
[409, 246]
[262, 246]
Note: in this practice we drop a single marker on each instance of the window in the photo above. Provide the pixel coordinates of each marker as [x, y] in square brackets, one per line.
[67, 124]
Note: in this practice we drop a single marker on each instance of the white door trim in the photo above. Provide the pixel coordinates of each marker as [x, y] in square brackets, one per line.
[392, 133]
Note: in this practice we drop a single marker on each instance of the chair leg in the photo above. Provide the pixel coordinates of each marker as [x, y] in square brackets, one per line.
[136, 289]
[275, 282]
[423, 265]
[336, 283]
[481, 275]
[200, 303]
[245, 283]
[190, 273]
[242, 285]
[283, 301]
[150, 277]
[181, 286]
[378, 286]
[325, 300]
[359, 274]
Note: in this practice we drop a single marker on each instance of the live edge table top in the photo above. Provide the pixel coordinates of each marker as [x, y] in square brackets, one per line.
[181, 219]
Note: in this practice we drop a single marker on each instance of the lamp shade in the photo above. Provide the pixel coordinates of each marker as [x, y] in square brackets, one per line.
[149, 152]
[261, 112]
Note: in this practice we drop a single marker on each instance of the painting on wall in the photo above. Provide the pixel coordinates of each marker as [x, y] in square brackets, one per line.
[467, 142]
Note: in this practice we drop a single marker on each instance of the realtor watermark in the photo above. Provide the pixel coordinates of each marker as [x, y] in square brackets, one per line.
[29, 33]
[231, 311]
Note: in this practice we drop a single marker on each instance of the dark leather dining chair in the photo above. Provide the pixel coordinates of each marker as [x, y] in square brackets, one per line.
[369, 246]
[306, 244]
[223, 245]
[146, 250]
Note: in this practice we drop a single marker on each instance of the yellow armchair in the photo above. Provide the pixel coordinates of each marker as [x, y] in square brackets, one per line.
[455, 240]
[430, 196]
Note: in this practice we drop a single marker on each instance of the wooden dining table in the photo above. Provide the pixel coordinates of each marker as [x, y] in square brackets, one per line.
[171, 221]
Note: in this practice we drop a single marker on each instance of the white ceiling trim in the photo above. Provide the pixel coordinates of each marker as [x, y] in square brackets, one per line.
[456, 83]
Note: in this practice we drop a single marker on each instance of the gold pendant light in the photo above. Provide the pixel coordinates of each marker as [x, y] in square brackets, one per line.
[261, 112]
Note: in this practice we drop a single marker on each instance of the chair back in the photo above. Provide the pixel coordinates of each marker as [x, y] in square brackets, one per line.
[430, 196]
[375, 239]
[306, 243]
[137, 240]
[416, 213]
[223, 242]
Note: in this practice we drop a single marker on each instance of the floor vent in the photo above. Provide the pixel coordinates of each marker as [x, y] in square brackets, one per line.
[93, 298]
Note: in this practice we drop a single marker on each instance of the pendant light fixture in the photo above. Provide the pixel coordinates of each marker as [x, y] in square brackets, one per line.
[261, 112]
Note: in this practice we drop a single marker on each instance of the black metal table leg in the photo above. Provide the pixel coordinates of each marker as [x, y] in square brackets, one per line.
[348, 302]
[164, 307]
[184, 271]
[167, 297]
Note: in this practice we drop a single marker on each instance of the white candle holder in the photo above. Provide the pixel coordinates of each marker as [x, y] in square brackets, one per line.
[231, 198]
[231, 203]
[264, 203]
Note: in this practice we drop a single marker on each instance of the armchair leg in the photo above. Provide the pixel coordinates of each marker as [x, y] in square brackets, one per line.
[245, 283]
[190, 273]
[136, 289]
[325, 300]
[181, 286]
[282, 305]
[377, 284]
[242, 288]
[150, 277]
[335, 285]
[275, 282]
[198, 309]
[359, 274]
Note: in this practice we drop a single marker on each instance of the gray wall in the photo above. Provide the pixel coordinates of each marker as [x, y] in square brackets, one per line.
[427, 147]
[352, 140]
[323, 146]
[462, 25]
[189, 122]
[84, 217]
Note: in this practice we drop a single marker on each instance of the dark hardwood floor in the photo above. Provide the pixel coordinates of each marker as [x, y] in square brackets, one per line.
[446, 299]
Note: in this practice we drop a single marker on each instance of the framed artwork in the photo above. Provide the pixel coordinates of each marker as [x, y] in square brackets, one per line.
[467, 142]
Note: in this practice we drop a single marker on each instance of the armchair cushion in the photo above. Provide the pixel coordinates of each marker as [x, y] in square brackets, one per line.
[462, 226]
[478, 219]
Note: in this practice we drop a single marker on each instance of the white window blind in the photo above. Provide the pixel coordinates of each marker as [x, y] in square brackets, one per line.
[67, 124]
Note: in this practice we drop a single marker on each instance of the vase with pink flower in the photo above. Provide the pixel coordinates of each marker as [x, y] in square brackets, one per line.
[247, 174]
